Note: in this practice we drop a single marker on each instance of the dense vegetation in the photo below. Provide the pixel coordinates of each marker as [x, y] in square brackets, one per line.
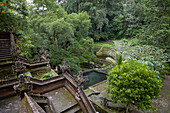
[144, 19]
[69, 28]
[132, 83]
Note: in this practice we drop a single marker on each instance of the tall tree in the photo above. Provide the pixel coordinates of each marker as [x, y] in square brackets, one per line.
[156, 30]
[61, 33]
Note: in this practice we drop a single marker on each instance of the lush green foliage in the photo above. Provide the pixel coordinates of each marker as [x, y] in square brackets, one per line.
[132, 83]
[155, 31]
[153, 57]
[63, 28]
[104, 44]
[146, 20]
[64, 35]
[101, 14]
[46, 25]
[13, 13]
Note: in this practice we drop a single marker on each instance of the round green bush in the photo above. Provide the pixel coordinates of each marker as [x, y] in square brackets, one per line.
[132, 83]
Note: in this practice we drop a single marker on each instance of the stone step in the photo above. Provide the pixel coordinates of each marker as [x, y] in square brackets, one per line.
[4, 35]
[7, 59]
[41, 101]
[4, 52]
[4, 49]
[80, 111]
[5, 56]
[72, 109]
[5, 39]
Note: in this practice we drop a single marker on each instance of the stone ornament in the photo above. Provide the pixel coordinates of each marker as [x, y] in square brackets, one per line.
[64, 67]
[104, 101]
[36, 58]
[18, 68]
[23, 85]
[80, 79]
[45, 55]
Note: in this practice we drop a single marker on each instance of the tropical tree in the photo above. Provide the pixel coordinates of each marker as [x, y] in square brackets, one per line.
[64, 35]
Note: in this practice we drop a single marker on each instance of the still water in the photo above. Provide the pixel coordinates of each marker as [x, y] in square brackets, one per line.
[93, 78]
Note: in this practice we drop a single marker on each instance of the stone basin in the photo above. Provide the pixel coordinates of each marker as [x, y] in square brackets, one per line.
[94, 77]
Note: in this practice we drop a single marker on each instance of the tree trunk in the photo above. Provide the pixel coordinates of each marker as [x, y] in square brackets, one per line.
[53, 39]
[78, 5]
[127, 108]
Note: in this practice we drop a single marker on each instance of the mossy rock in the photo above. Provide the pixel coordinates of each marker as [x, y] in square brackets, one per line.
[105, 52]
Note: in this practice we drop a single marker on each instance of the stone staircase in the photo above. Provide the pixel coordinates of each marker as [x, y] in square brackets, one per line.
[9, 54]
[6, 59]
[5, 46]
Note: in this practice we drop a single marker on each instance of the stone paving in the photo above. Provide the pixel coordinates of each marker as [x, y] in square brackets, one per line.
[162, 103]
[61, 99]
[10, 105]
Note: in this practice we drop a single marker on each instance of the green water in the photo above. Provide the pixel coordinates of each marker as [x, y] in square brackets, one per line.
[93, 78]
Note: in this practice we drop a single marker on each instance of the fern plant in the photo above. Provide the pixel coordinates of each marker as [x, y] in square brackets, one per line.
[118, 59]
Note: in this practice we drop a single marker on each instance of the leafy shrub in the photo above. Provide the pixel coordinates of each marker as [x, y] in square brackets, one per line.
[132, 83]
[121, 45]
[134, 42]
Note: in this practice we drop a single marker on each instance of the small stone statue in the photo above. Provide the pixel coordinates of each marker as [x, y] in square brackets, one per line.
[104, 101]
[23, 85]
[36, 58]
[80, 79]
[45, 55]
[64, 68]
[56, 69]
[23, 79]
[18, 68]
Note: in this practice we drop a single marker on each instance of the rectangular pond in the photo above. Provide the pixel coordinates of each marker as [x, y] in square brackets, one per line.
[94, 77]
